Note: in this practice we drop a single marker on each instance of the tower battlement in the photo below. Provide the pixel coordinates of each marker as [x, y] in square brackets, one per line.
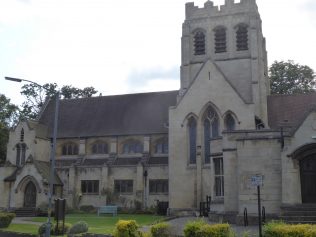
[209, 10]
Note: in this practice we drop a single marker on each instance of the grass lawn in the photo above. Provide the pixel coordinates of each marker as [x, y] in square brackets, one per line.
[97, 224]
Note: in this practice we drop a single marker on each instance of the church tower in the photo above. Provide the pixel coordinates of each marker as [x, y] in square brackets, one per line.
[231, 37]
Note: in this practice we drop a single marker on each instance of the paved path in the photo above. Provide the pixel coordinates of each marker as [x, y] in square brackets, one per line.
[25, 220]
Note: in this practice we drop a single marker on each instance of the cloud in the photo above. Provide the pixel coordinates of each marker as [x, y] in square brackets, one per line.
[147, 76]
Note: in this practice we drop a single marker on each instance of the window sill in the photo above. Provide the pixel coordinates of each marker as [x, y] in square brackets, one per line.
[218, 200]
[88, 194]
[158, 194]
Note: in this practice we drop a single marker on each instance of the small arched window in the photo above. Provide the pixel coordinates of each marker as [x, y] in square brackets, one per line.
[162, 147]
[192, 140]
[132, 147]
[230, 123]
[199, 43]
[20, 154]
[220, 40]
[22, 135]
[70, 149]
[100, 148]
[242, 37]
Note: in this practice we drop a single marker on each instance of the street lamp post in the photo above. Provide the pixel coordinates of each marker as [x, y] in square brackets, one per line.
[52, 154]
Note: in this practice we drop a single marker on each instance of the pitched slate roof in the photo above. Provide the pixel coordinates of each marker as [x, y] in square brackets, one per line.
[289, 110]
[131, 114]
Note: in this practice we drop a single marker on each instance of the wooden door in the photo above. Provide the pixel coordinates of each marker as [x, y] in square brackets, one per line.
[30, 195]
[308, 179]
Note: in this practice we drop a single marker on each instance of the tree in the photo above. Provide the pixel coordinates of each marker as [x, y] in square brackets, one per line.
[36, 96]
[9, 114]
[291, 78]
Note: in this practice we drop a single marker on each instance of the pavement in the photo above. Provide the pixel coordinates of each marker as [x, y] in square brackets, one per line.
[177, 225]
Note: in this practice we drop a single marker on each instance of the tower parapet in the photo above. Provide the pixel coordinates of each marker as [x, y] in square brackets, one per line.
[229, 8]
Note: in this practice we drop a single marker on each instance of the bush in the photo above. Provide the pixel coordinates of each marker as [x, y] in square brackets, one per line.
[280, 229]
[5, 219]
[59, 231]
[42, 228]
[79, 227]
[202, 229]
[160, 230]
[192, 227]
[126, 228]
[217, 230]
[88, 208]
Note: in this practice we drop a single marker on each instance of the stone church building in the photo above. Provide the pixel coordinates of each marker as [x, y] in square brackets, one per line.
[209, 138]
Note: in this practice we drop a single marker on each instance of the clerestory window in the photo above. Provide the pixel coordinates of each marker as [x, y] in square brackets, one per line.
[242, 37]
[131, 147]
[220, 40]
[162, 146]
[70, 149]
[199, 43]
[100, 148]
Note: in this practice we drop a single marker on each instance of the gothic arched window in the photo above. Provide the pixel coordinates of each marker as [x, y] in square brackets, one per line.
[230, 123]
[192, 140]
[241, 37]
[220, 40]
[100, 148]
[211, 130]
[70, 149]
[199, 43]
[20, 154]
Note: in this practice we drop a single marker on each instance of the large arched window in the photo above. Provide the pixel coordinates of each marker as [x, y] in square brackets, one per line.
[20, 154]
[211, 130]
[70, 149]
[241, 37]
[199, 43]
[230, 123]
[100, 148]
[220, 39]
[132, 147]
[192, 140]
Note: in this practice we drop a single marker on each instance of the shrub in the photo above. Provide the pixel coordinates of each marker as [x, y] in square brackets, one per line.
[88, 208]
[126, 228]
[160, 230]
[280, 229]
[217, 230]
[191, 228]
[79, 227]
[59, 231]
[5, 219]
[42, 228]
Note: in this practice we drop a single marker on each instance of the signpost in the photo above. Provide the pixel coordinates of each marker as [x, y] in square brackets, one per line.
[257, 180]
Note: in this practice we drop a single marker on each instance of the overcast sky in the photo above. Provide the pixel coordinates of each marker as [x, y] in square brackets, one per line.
[125, 46]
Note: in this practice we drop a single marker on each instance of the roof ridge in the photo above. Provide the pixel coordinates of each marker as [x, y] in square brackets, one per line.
[120, 95]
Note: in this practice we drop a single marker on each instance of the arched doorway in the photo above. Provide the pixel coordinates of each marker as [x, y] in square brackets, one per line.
[30, 195]
[306, 155]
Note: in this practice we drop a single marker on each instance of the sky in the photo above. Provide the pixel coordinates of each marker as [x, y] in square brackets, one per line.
[125, 46]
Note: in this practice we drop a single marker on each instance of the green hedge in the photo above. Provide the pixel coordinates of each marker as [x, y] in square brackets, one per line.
[281, 229]
[160, 230]
[5, 219]
[127, 228]
[79, 227]
[202, 229]
[53, 230]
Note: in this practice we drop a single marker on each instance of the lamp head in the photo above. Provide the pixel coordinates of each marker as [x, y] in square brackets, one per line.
[13, 79]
